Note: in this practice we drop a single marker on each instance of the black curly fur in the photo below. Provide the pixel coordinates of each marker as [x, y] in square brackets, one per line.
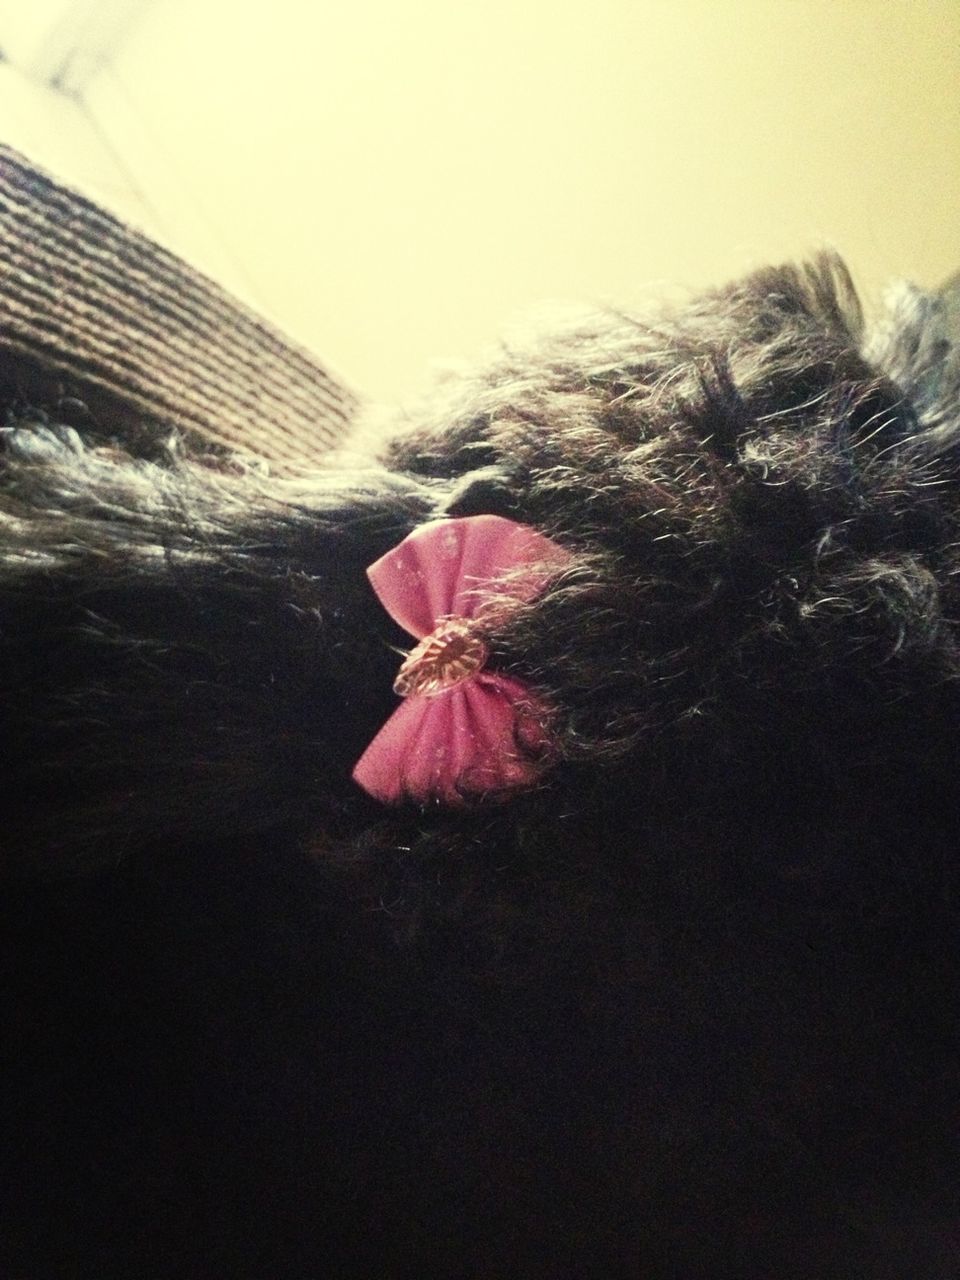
[685, 1009]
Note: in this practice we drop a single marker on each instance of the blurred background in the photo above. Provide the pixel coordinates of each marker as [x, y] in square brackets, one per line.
[392, 182]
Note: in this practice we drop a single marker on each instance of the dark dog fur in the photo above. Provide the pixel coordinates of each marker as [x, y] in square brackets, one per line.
[688, 1009]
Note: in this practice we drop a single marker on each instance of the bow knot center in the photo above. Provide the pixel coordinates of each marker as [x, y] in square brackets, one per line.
[451, 653]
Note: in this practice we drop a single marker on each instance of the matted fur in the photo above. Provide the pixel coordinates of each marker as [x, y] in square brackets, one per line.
[685, 1009]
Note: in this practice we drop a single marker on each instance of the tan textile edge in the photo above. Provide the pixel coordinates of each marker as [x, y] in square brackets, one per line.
[99, 310]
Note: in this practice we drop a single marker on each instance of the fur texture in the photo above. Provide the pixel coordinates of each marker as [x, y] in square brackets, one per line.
[687, 1009]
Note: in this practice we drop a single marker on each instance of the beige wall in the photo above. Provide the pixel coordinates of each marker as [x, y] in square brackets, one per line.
[393, 180]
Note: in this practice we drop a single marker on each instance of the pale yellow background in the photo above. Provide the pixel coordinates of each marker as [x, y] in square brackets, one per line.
[392, 181]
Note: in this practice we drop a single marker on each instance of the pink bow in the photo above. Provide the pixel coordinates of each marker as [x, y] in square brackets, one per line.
[460, 728]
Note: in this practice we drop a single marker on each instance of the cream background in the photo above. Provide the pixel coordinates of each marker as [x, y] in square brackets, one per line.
[393, 181]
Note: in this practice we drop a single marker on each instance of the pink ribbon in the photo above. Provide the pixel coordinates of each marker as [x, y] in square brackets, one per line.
[460, 729]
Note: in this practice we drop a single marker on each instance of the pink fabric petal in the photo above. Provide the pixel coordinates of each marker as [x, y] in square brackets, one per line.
[469, 740]
[492, 551]
[530, 738]
[381, 770]
[444, 569]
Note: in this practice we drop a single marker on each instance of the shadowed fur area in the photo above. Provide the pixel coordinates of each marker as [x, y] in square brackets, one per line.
[685, 1010]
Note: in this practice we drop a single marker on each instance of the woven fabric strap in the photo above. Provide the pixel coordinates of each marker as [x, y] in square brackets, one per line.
[94, 310]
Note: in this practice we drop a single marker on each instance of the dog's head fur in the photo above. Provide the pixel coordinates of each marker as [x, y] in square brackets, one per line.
[761, 500]
[741, 870]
